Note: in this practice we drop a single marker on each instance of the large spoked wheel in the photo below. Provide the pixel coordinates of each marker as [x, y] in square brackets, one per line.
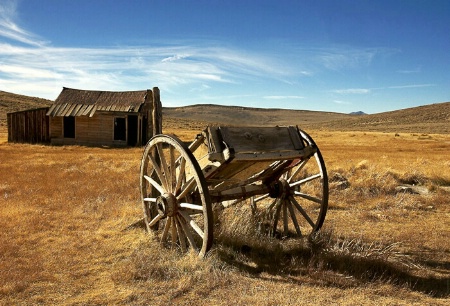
[297, 203]
[174, 195]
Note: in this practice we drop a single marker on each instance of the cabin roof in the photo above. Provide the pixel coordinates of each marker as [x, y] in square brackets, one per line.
[76, 102]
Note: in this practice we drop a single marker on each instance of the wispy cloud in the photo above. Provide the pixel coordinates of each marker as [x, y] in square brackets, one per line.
[352, 91]
[174, 58]
[411, 86]
[29, 63]
[410, 71]
[9, 29]
[344, 57]
[282, 97]
[341, 102]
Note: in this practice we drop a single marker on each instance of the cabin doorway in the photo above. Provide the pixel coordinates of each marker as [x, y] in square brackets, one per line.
[132, 130]
[69, 127]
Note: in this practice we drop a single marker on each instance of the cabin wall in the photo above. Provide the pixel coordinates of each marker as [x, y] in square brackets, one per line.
[97, 130]
[30, 126]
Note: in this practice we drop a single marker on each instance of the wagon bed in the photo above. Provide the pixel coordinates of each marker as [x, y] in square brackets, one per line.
[279, 171]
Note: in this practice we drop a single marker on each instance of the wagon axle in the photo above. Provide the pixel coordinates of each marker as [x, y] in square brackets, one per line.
[280, 189]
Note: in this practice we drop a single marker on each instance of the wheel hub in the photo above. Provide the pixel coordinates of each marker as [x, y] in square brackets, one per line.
[280, 188]
[166, 205]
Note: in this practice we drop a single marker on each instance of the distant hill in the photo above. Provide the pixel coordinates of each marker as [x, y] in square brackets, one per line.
[236, 115]
[358, 113]
[433, 118]
[10, 102]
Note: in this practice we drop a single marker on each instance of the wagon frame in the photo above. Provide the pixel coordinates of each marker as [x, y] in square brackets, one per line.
[278, 170]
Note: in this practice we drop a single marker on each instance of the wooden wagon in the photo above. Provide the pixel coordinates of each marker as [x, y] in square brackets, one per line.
[278, 170]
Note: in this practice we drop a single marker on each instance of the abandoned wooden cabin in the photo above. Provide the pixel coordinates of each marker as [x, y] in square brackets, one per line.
[87, 117]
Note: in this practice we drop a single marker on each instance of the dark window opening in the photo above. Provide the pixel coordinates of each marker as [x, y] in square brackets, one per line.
[120, 129]
[69, 127]
[132, 130]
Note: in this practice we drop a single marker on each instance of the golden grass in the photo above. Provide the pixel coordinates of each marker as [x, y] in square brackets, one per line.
[65, 211]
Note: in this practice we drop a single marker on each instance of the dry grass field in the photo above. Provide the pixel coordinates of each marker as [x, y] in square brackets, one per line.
[66, 239]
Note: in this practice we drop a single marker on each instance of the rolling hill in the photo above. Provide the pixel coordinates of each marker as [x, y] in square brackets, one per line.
[432, 118]
[10, 102]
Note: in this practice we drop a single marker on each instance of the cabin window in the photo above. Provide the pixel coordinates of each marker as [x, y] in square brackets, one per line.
[69, 127]
[120, 129]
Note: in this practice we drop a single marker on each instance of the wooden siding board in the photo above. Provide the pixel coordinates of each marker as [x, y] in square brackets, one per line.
[28, 126]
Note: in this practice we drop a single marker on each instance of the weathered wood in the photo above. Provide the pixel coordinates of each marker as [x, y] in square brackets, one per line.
[258, 139]
[229, 156]
[280, 168]
[157, 112]
[31, 126]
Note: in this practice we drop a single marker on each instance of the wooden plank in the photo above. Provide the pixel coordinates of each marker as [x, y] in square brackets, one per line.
[92, 110]
[215, 141]
[156, 112]
[76, 110]
[295, 137]
[281, 155]
[257, 139]
[68, 110]
[87, 110]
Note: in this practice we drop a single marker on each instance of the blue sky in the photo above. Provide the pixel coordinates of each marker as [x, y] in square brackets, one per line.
[338, 56]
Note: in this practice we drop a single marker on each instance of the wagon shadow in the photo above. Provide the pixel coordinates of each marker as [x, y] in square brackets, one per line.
[309, 264]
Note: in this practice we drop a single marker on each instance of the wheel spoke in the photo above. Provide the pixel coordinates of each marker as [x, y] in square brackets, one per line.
[277, 215]
[189, 235]
[294, 218]
[192, 223]
[187, 188]
[308, 197]
[191, 206]
[305, 180]
[299, 168]
[153, 200]
[302, 211]
[181, 235]
[270, 207]
[173, 171]
[285, 219]
[181, 176]
[174, 232]
[158, 170]
[165, 174]
[154, 220]
[155, 184]
[261, 198]
[166, 229]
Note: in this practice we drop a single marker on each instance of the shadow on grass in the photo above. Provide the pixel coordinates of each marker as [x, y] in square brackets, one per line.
[317, 263]
[327, 261]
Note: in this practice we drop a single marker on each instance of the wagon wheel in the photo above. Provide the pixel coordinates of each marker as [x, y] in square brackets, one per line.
[175, 196]
[297, 203]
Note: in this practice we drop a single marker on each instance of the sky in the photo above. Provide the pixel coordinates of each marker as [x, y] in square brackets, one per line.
[338, 56]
